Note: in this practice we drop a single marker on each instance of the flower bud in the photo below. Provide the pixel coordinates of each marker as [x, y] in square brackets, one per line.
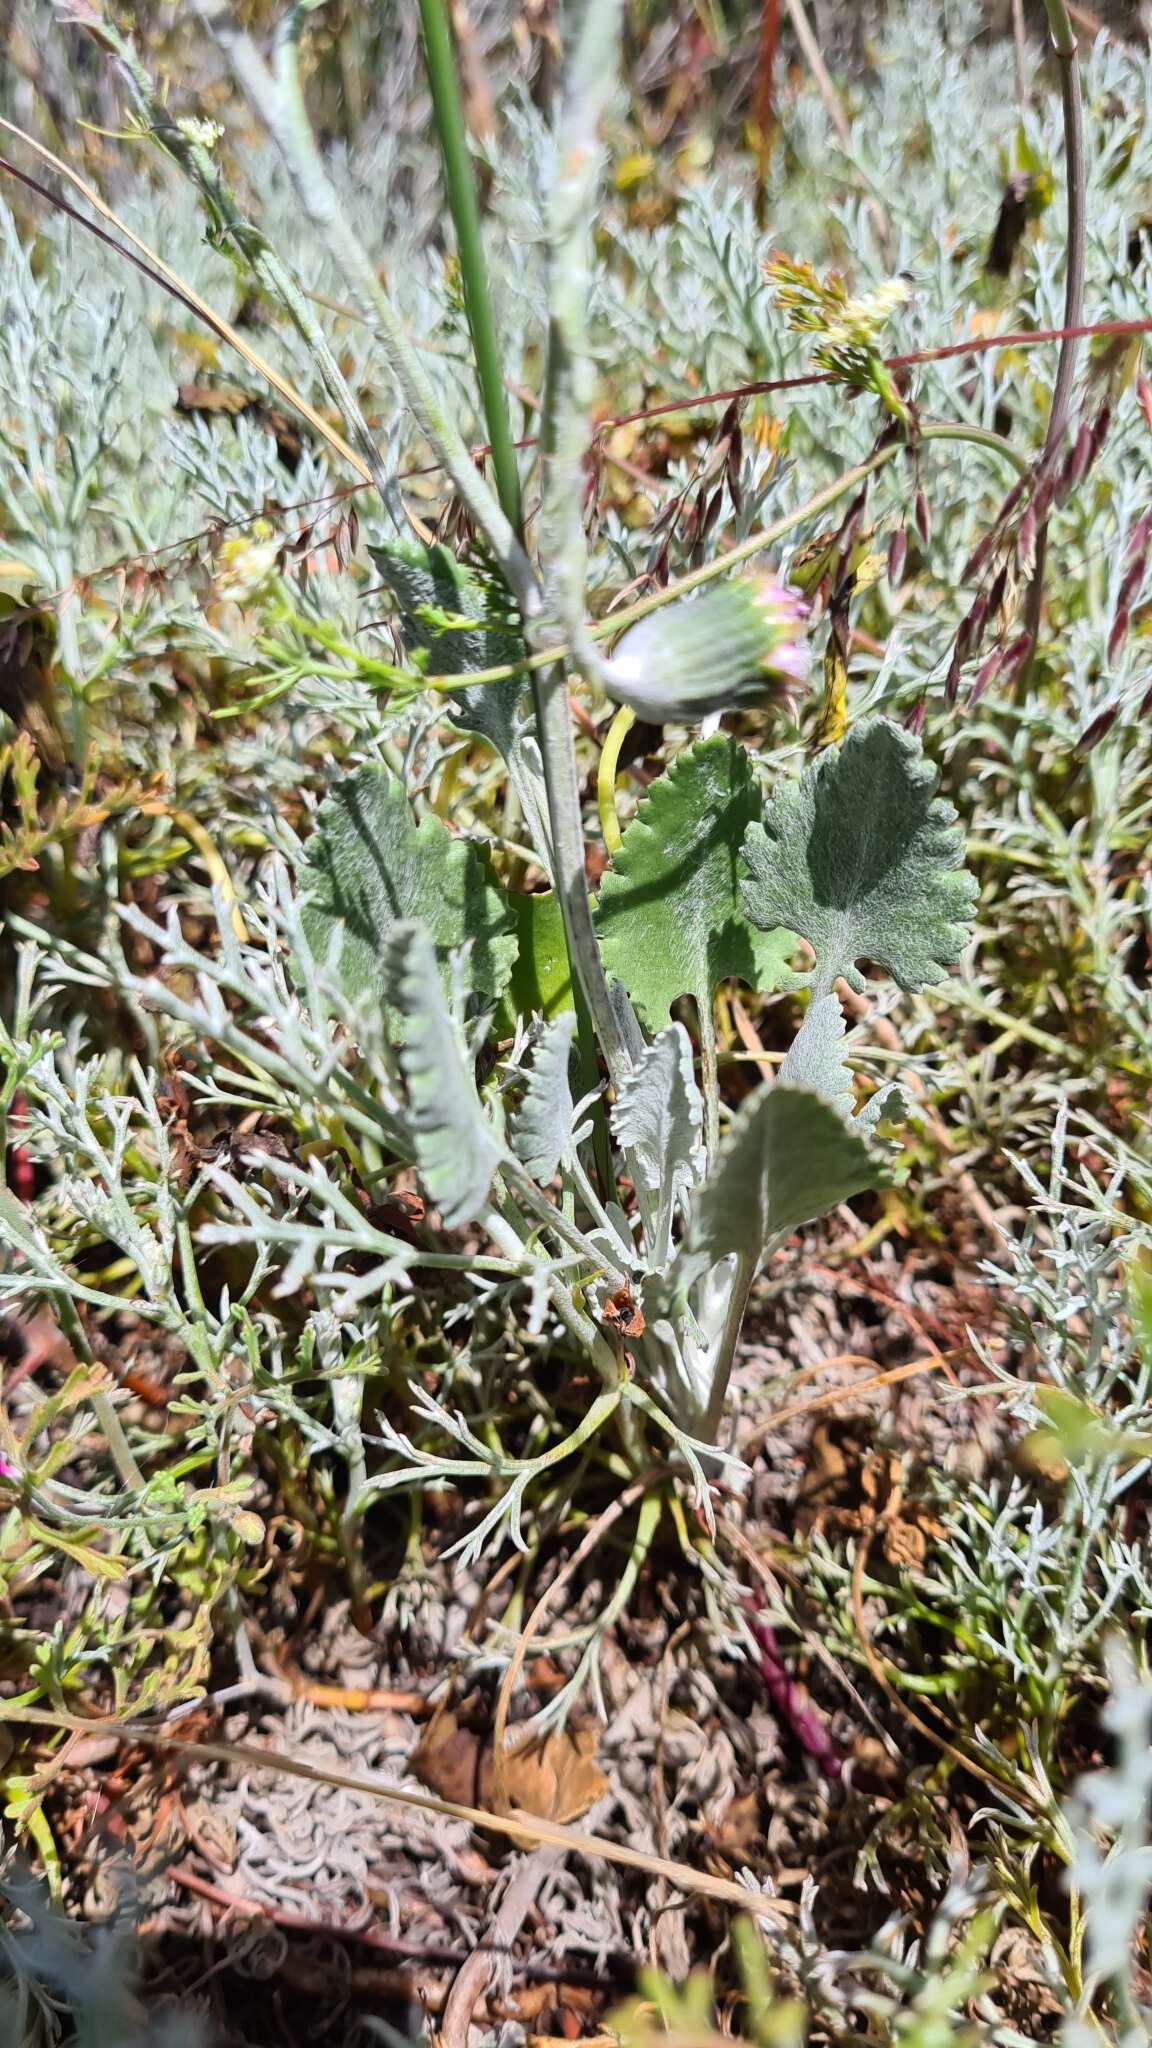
[738, 643]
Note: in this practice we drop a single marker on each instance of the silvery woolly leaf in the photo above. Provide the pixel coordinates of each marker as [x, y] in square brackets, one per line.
[787, 1159]
[815, 1060]
[890, 1104]
[656, 1119]
[369, 867]
[863, 860]
[669, 915]
[542, 1130]
[456, 1151]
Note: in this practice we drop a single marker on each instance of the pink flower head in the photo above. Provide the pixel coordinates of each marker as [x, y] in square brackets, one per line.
[738, 642]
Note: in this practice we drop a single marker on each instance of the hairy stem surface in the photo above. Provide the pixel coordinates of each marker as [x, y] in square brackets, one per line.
[461, 190]
[1064, 43]
[279, 102]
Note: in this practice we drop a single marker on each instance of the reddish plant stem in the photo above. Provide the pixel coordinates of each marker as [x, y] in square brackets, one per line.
[367, 1937]
[791, 1701]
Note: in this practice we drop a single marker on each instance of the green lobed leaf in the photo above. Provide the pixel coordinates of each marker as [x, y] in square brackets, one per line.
[456, 1151]
[426, 580]
[863, 860]
[369, 867]
[542, 1128]
[787, 1159]
[669, 914]
[656, 1119]
[541, 978]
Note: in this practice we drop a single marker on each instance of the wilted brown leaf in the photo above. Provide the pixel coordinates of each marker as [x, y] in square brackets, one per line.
[556, 1778]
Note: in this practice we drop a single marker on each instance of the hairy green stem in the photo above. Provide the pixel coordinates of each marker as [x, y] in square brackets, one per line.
[741, 1287]
[532, 1198]
[462, 202]
[710, 1083]
[591, 1199]
[119, 1448]
[1071, 98]
[566, 405]
[279, 102]
[461, 191]
[554, 730]
[512, 1240]
[569, 382]
[1064, 43]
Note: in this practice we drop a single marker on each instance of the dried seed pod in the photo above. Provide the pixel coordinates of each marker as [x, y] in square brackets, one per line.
[897, 556]
[735, 455]
[1144, 399]
[1012, 500]
[1097, 729]
[851, 524]
[921, 515]
[914, 722]
[712, 512]
[1100, 426]
[986, 674]
[979, 556]
[1043, 496]
[952, 680]
[1026, 543]
[1081, 455]
[1137, 542]
[1016, 654]
[998, 592]
[1118, 633]
[1066, 476]
[1133, 578]
[974, 625]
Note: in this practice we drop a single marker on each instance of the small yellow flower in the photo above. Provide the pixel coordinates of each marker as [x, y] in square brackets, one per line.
[246, 565]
